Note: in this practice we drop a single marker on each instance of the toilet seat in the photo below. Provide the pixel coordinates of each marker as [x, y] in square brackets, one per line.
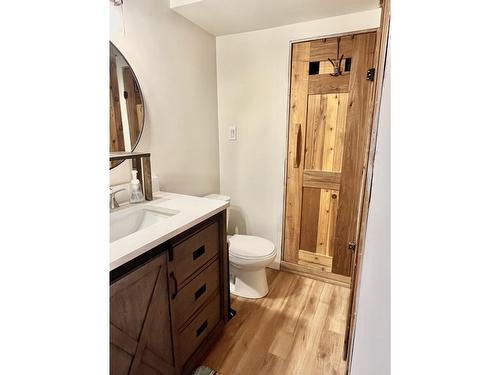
[248, 258]
[250, 247]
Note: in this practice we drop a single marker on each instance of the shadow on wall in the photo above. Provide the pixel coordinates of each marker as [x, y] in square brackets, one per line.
[237, 223]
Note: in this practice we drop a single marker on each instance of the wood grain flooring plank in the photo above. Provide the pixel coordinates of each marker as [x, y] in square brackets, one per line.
[270, 324]
[298, 355]
[290, 331]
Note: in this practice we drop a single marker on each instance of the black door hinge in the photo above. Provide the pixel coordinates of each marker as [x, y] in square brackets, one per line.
[351, 246]
[370, 75]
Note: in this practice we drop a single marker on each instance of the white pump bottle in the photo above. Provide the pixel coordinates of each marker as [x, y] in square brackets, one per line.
[136, 195]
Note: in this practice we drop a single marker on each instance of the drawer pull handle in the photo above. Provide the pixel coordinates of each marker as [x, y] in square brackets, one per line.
[198, 253]
[200, 291]
[174, 293]
[203, 327]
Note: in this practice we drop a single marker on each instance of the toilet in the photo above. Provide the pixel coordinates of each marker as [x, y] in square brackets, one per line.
[248, 258]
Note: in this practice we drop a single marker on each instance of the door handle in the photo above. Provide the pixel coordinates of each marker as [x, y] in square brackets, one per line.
[174, 293]
[298, 143]
[203, 326]
[200, 291]
[199, 252]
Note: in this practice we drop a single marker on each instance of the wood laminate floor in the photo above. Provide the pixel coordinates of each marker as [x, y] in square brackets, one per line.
[298, 328]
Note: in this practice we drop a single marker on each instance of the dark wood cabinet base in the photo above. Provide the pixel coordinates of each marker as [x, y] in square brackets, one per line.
[168, 306]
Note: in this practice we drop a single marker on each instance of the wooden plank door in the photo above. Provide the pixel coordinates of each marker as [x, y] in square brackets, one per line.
[140, 322]
[328, 138]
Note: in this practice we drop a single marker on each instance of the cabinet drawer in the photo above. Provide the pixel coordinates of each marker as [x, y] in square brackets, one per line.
[195, 293]
[191, 254]
[192, 336]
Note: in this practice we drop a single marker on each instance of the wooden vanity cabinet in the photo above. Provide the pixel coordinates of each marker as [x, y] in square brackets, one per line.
[169, 305]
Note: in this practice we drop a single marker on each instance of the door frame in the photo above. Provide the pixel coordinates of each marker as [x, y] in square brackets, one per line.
[379, 63]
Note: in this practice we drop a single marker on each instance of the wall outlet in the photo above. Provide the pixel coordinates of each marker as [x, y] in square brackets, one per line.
[233, 133]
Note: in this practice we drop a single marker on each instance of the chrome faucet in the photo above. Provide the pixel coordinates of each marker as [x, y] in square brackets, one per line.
[112, 200]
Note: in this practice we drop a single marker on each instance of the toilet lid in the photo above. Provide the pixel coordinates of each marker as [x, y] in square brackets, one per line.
[250, 246]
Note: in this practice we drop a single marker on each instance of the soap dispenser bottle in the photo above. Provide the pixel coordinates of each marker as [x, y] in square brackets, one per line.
[136, 195]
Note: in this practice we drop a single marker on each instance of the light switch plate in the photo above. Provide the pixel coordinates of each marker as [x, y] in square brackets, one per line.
[233, 133]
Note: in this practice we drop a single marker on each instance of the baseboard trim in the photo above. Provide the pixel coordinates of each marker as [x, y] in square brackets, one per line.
[275, 265]
[313, 273]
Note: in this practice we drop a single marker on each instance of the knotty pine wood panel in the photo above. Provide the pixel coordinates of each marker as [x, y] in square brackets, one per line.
[326, 67]
[298, 104]
[323, 49]
[297, 329]
[319, 215]
[326, 84]
[332, 224]
[327, 106]
[309, 220]
[323, 222]
[325, 133]
[318, 109]
[321, 179]
[320, 262]
[320, 259]
[338, 146]
[329, 141]
[355, 145]
[305, 262]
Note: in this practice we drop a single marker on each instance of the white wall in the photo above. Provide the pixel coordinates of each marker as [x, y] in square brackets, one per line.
[371, 355]
[252, 80]
[175, 63]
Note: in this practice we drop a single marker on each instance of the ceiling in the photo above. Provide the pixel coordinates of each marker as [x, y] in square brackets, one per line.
[220, 17]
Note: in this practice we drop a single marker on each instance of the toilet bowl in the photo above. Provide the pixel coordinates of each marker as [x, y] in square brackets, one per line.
[248, 258]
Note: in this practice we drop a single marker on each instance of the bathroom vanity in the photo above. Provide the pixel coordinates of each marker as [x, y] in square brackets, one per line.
[169, 288]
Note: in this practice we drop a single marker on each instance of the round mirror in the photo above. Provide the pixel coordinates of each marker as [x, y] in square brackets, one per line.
[126, 105]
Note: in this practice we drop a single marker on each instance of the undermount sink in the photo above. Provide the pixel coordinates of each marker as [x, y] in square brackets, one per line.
[130, 220]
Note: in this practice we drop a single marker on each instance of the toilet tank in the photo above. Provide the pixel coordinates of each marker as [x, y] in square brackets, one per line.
[224, 198]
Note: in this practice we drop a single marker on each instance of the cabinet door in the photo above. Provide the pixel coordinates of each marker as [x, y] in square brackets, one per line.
[140, 334]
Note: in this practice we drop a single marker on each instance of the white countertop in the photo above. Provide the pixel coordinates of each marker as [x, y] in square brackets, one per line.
[192, 211]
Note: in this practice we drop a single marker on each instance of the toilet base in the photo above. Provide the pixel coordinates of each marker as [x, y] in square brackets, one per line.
[248, 283]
